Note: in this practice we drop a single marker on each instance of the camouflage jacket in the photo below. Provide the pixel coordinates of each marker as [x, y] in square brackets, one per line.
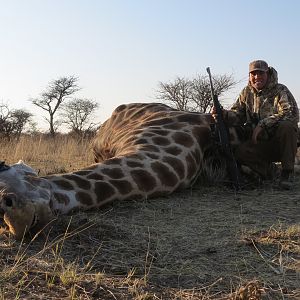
[266, 107]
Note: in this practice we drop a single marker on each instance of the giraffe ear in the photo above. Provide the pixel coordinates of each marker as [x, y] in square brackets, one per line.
[24, 169]
[38, 190]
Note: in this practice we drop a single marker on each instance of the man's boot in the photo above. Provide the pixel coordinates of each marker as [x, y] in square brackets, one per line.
[286, 179]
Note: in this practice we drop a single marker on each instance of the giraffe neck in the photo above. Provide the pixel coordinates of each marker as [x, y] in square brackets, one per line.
[136, 176]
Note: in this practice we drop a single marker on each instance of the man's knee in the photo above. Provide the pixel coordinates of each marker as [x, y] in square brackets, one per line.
[287, 127]
[287, 134]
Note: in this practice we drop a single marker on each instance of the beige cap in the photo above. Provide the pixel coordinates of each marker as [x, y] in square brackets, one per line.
[258, 65]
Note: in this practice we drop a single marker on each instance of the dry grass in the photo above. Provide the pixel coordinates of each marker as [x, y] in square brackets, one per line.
[48, 155]
[203, 243]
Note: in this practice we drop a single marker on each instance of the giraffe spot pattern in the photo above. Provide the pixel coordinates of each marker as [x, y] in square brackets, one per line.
[174, 150]
[191, 166]
[146, 150]
[134, 164]
[158, 122]
[152, 155]
[95, 176]
[113, 161]
[176, 164]
[150, 148]
[197, 156]
[82, 173]
[164, 174]
[123, 186]
[64, 184]
[103, 191]
[174, 126]
[161, 141]
[81, 182]
[202, 135]
[192, 119]
[84, 198]
[183, 139]
[144, 180]
[160, 132]
[140, 141]
[148, 134]
[137, 156]
[61, 198]
[115, 173]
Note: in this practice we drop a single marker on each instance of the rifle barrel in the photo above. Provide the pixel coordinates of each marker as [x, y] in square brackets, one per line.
[211, 84]
[224, 137]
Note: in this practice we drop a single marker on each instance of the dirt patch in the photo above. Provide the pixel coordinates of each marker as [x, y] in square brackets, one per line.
[203, 241]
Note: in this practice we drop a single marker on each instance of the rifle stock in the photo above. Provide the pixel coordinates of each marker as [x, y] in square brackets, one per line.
[223, 135]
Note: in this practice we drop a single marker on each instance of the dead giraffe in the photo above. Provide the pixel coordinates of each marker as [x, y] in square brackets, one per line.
[142, 151]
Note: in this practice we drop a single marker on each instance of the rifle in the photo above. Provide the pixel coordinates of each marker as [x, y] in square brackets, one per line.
[223, 135]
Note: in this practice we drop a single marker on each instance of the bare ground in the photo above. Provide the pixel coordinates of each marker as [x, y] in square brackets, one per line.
[202, 243]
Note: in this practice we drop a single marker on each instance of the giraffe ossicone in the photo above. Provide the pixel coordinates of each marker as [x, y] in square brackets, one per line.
[143, 150]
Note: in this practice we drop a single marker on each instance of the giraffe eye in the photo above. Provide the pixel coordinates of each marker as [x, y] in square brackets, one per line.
[8, 201]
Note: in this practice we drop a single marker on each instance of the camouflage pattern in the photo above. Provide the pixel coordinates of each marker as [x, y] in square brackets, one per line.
[265, 108]
[258, 65]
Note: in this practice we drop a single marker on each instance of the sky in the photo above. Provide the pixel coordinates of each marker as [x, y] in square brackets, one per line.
[121, 49]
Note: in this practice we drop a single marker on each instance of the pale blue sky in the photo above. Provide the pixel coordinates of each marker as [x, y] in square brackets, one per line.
[120, 50]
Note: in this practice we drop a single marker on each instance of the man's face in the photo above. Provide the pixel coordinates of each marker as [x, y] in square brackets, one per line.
[258, 79]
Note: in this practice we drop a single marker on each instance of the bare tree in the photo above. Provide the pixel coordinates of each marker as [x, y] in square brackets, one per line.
[4, 115]
[177, 93]
[57, 92]
[77, 115]
[194, 94]
[13, 122]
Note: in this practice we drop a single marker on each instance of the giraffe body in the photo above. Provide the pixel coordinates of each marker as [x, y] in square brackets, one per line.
[142, 151]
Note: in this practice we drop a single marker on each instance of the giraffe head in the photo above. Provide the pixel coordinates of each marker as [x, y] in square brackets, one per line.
[24, 200]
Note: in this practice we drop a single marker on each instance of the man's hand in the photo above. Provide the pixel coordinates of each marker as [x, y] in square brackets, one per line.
[256, 132]
[215, 115]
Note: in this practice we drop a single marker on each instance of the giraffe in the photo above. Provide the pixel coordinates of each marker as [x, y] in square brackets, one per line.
[144, 150]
